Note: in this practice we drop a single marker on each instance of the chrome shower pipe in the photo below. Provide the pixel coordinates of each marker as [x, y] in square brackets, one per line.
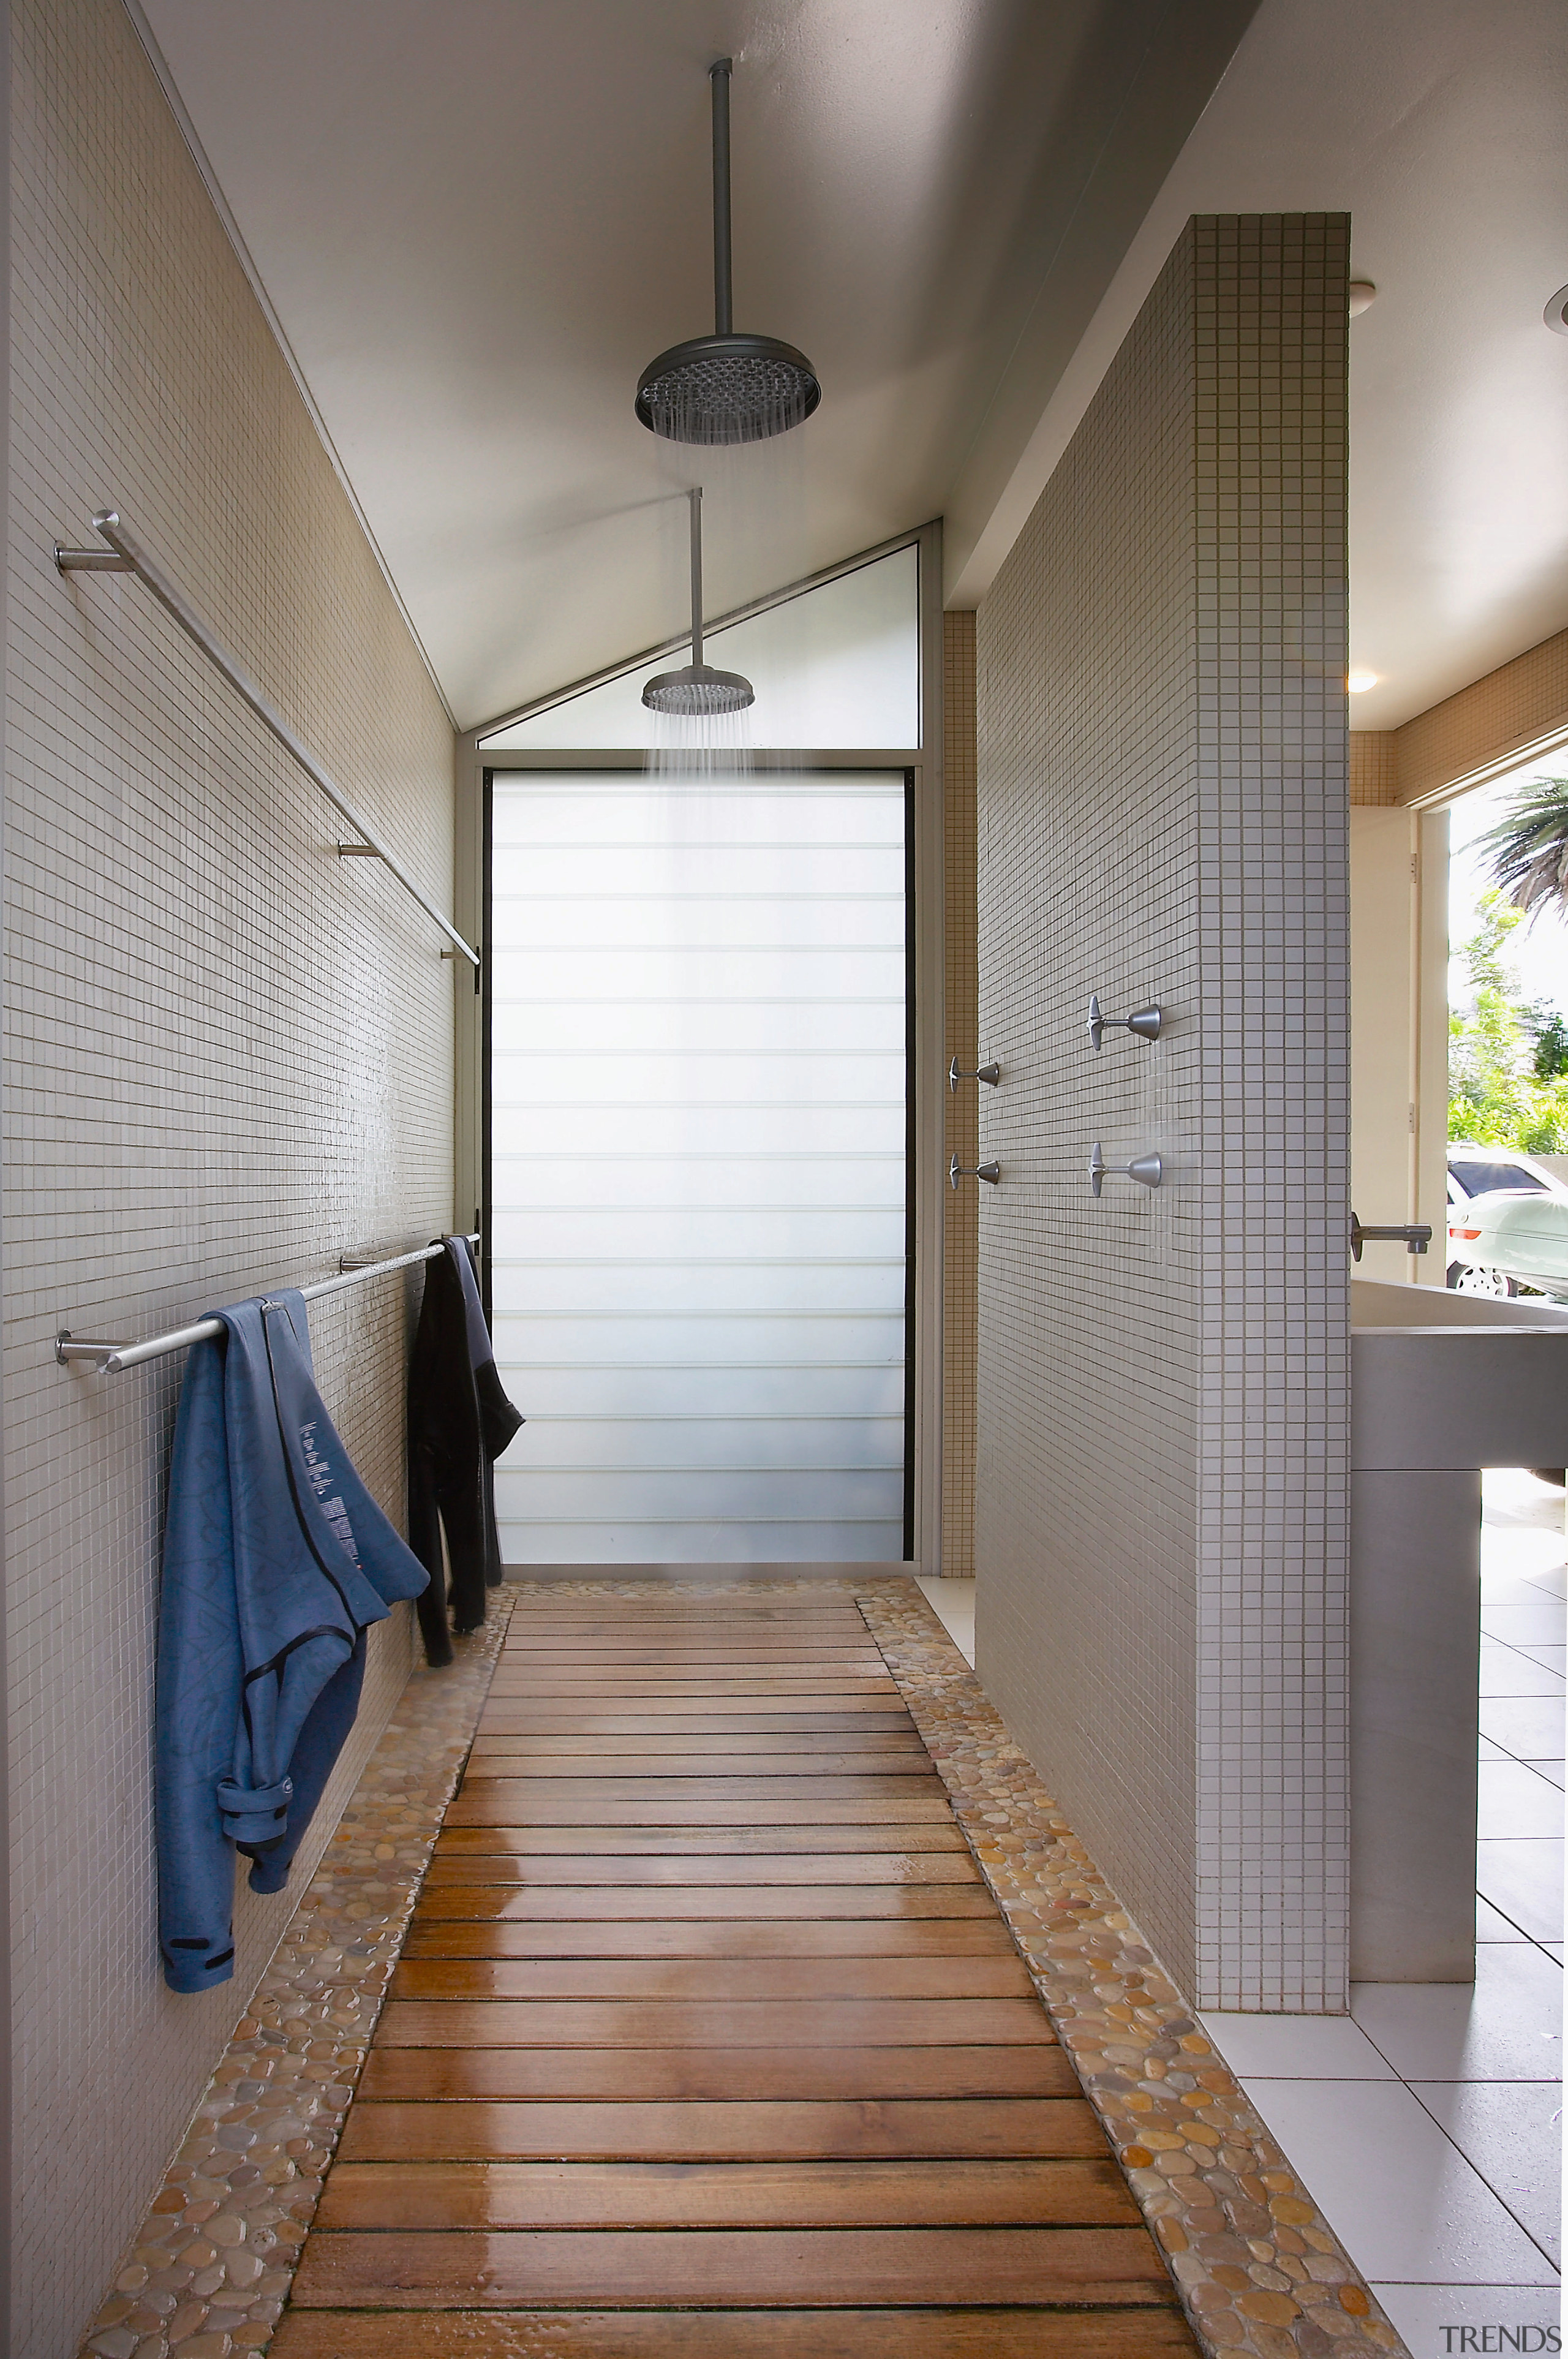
[724, 299]
[695, 495]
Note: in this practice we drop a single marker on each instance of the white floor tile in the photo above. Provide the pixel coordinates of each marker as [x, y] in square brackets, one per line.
[1502, 1586]
[1553, 1950]
[1525, 1625]
[1296, 2047]
[1487, 1751]
[1555, 1580]
[1428, 2317]
[1508, 2026]
[1551, 1770]
[1406, 2204]
[1523, 1877]
[1550, 1659]
[1530, 1727]
[1515, 1800]
[1492, 1926]
[1505, 1672]
[1512, 2132]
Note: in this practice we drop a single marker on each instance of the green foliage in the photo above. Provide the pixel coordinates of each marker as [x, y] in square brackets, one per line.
[1526, 851]
[1508, 1061]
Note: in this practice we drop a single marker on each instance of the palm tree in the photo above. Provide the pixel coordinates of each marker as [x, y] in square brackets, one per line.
[1526, 851]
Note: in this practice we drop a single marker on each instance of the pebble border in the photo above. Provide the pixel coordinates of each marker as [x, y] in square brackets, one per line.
[210, 2269]
[1259, 2272]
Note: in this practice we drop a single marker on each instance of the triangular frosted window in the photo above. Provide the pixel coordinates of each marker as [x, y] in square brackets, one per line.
[838, 667]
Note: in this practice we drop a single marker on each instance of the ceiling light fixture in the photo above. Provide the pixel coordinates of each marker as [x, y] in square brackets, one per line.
[1360, 681]
[1363, 295]
[724, 388]
[1556, 312]
[696, 690]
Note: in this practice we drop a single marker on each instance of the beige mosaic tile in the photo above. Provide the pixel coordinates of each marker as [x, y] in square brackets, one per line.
[211, 2265]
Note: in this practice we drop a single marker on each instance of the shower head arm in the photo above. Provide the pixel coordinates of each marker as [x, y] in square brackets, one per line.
[723, 307]
[696, 498]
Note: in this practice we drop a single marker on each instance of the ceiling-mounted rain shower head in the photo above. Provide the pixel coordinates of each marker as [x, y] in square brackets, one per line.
[724, 388]
[696, 691]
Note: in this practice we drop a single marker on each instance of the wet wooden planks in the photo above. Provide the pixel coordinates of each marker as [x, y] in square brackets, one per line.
[708, 2037]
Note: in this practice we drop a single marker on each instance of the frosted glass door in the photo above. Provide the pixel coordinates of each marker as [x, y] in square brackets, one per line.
[698, 1149]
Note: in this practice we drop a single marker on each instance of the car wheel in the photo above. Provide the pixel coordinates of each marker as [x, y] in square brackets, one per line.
[1484, 1282]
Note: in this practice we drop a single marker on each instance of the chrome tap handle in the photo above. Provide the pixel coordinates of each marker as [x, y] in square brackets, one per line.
[1144, 1021]
[990, 1074]
[990, 1172]
[1148, 1171]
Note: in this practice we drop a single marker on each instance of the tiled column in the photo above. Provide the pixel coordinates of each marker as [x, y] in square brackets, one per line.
[963, 1112]
[1162, 1399]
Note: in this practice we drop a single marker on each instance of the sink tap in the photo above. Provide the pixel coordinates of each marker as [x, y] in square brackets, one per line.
[1415, 1236]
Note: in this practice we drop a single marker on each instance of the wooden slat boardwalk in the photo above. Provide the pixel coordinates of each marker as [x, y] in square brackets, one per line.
[709, 2042]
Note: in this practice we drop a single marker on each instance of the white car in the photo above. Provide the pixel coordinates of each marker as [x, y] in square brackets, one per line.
[1508, 1222]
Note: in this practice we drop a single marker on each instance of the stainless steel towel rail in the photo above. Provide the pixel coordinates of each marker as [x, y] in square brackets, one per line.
[125, 554]
[107, 1356]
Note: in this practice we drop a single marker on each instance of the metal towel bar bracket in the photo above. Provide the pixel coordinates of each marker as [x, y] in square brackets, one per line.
[125, 554]
[990, 1172]
[110, 1356]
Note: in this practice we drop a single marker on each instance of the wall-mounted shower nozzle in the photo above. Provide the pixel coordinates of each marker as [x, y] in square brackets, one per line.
[1144, 1023]
[1148, 1171]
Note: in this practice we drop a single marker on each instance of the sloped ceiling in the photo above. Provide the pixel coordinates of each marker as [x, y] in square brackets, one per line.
[475, 222]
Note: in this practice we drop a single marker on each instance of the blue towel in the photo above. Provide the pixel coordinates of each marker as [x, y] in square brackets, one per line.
[276, 1561]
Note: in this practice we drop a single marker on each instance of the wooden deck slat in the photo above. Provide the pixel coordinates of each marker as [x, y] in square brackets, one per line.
[752, 1745]
[978, 2334]
[739, 2023]
[482, 1804]
[695, 1841]
[1010, 2194]
[504, 1903]
[942, 1937]
[710, 1980]
[673, 1785]
[920, 1866]
[598, 1704]
[715, 2268]
[860, 2082]
[797, 1722]
[502, 1756]
[707, 2040]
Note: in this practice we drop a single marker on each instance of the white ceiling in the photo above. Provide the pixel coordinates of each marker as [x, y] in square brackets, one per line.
[1442, 128]
[475, 222]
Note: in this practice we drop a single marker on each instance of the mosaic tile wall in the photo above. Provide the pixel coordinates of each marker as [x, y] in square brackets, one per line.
[1162, 1399]
[959, 1240]
[229, 1053]
[1514, 706]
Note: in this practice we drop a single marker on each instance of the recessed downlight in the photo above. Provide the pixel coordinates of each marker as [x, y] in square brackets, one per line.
[1556, 312]
[1363, 294]
[1359, 682]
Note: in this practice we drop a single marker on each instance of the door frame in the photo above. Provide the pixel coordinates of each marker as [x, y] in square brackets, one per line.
[922, 765]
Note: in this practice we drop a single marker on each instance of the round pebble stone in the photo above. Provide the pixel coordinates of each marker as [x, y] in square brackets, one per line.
[114, 2342]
